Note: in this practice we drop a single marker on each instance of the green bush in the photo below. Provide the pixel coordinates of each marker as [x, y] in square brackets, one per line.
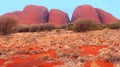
[6, 25]
[114, 25]
[97, 26]
[68, 26]
[83, 25]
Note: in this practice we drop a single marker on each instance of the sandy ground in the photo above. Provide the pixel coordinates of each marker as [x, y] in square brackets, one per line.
[63, 46]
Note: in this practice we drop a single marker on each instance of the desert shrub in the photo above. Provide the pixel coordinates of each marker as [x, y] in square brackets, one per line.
[114, 25]
[22, 28]
[46, 27]
[6, 25]
[83, 25]
[41, 27]
[103, 26]
[97, 26]
[61, 27]
[34, 28]
[49, 27]
[68, 26]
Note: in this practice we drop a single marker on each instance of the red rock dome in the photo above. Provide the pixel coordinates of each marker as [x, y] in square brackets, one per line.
[85, 11]
[31, 15]
[58, 17]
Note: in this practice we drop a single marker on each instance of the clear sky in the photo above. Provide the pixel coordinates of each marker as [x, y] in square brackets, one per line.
[111, 6]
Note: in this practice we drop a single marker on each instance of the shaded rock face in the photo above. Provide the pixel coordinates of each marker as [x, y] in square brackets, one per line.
[58, 17]
[31, 15]
[105, 17]
[85, 11]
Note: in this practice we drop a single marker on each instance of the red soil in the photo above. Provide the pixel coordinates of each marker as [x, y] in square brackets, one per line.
[2, 61]
[39, 60]
[32, 60]
[98, 63]
[94, 50]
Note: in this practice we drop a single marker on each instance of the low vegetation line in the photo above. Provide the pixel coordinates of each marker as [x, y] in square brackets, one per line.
[9, 25]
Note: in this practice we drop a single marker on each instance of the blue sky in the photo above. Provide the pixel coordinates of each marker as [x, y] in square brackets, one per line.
[111, 6]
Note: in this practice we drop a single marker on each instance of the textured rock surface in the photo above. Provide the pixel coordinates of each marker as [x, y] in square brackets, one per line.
[58, 17]
[31, 15]
[105, 17]
[85, 11]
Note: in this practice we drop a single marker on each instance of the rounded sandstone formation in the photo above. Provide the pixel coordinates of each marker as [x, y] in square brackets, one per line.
[30, 15]
[36, 14]
[58, 17]
[39, 14]
[18, 15]
[106, 17]
[85, 11]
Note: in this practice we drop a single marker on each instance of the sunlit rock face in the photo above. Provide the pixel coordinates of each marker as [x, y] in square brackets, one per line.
[58, 17]
[105, 17]
[30, 15]
[18, 15]
[36, 14]
[85, 11]
[89, 12]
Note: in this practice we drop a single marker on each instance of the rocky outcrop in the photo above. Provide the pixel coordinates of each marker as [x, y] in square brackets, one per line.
[36, 14]
[31, 15]
[18, 15]
[105, 17]
[89, 12]
[85, 11]
[58, 17]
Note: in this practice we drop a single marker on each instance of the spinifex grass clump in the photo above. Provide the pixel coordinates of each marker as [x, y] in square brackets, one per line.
[83, 25]
[110, 54]
[6, 25]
